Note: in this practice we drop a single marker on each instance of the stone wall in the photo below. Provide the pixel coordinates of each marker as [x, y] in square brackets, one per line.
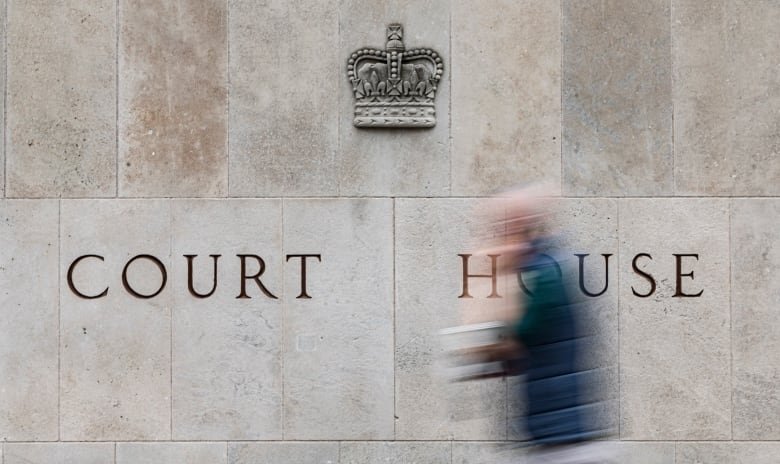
[174, 128]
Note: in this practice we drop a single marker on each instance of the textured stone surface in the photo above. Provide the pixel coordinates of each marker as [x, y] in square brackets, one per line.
[644, 453]
[727, 453]
[755, 263]
[173, 98]
[171, 453]
[384, 162]
[28, 326]
[285, 74]
[59, 453]
[396, 452]
[429, 236]
[61, 98]
[617, 98]
[666, 395]
[506, 95]
[338, 345]
[2, 108]
[726, 104]
[487, 453]
[284, 453]
[227, 379]
[116, 350]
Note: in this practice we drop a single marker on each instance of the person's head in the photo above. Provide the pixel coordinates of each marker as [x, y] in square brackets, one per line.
[528, 215]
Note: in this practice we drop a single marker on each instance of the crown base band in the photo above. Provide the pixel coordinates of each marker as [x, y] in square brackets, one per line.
[394, 122]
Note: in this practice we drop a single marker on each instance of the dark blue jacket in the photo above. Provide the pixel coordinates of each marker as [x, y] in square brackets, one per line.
[557, 411]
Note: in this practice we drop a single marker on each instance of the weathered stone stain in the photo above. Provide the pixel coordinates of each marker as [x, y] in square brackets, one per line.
[173, 98]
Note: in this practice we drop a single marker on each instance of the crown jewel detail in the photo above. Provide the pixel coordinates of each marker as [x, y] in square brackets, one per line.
[395, 87]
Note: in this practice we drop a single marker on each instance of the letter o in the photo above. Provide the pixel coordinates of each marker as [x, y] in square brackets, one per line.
[159, 266]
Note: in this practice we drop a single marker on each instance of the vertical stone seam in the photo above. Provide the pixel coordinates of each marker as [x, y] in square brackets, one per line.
[506, 380]
[116, 99]
[227, 95]
[449, 106]
[560, 97]
[170, 316]
[731, 327]
[671, 93]
[282, 344]
[451, 447]
[619, 380]
[227, 458]
[5, 106]
[59, 321]
[114, 453]
[395, 330]
[339, 155]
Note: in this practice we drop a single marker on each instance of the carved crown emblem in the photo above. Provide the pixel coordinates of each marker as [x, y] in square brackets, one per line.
[395, 87]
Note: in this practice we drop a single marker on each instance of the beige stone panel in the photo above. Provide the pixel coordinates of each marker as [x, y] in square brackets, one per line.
[726, 97]
[488, 453]
[755, 263]
[173, 98]
[171, 453]
[643, 452]
[338, 345]
[61, 98]
[675, 351]
[115, 350]
[28, 327]
[728, 453]
[284, 453]
[394, 162]
[2, 110]
[285, 73]
[617, 98]
[59, 453]
[429, 236]
[227, 376]
[506, 95]
[396, 452]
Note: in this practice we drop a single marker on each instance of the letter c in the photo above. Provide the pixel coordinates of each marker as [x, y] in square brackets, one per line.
[70, 278]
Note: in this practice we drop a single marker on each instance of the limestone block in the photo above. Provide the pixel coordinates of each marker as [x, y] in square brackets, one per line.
[398, 452]
[284, 453]
[644, 453]
[172, 98]
[728, 453]
[617, 98]
[285, 75]
[487, 453]
[675, 351]
[59, 453]
[755, 262]
[430, 234]
[115, 350]
[506, 95]
[394, 162]
[171, 453]
[28, 326]
[726, 105]
[61, 98]
[338, 344]
[2, 110]
[227, 379]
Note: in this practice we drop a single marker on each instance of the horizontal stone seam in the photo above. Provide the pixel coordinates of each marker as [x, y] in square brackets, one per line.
[356, 197]
[152, 442]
